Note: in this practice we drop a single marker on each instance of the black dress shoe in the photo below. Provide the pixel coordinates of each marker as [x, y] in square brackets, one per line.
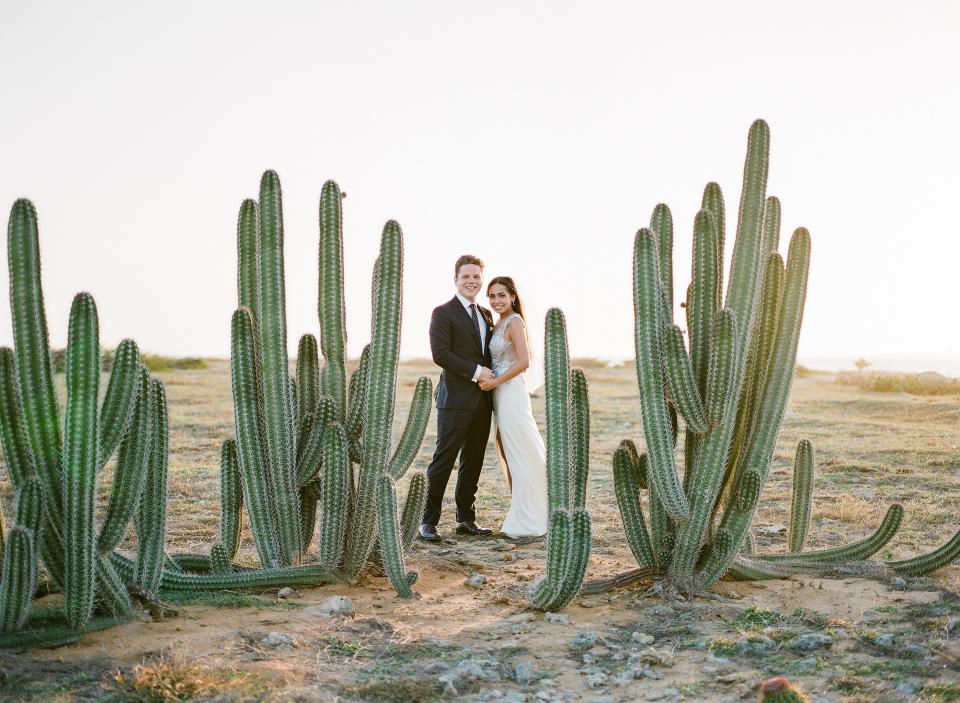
[470, 528]
[428, 533]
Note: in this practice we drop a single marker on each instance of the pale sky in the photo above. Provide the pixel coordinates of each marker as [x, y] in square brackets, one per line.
[537, 135]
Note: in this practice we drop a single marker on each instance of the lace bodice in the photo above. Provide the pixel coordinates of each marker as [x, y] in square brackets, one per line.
[502, 353]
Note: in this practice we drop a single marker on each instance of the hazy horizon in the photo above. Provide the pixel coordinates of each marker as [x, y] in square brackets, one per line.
[538, 136]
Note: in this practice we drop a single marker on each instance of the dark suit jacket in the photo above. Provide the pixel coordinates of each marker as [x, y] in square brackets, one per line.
[455, 344]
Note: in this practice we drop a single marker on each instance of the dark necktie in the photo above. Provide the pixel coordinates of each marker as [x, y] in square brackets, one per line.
[476, 322]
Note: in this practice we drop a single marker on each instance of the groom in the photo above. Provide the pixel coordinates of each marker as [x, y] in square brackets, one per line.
[460, 333]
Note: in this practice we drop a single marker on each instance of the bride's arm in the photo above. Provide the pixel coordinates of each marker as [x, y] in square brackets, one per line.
[516, 334]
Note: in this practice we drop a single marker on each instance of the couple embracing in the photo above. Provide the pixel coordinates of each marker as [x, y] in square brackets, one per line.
[483, 363]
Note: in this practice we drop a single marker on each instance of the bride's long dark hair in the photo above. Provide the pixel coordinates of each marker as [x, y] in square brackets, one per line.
[511, 287]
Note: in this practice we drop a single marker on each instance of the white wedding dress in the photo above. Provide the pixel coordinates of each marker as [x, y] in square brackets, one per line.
[519, 443]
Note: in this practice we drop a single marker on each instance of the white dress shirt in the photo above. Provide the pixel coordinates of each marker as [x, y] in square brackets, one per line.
[483, 329]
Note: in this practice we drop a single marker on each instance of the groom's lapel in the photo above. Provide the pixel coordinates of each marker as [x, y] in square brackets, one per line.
[465, 319]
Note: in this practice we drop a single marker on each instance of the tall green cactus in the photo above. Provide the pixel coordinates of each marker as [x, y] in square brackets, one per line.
[731, 389]
[63, 469]
[568, 452]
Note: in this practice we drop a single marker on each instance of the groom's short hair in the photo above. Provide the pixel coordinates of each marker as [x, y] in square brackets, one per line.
[464, 261]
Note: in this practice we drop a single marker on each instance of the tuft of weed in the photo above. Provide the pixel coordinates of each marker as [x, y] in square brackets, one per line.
[165, 680]
[226, 599]
[941, 693]
[754, 618]
[404, 689]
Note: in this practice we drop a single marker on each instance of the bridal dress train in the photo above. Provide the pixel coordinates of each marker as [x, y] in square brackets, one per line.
[520, 444]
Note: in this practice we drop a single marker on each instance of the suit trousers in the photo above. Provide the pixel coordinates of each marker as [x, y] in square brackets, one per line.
[463, 432]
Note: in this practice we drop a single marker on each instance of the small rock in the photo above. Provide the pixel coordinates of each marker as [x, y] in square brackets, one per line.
[719, 661]
[278, 640]
[915, 650]
[522, 617]
[661, 611]
[502, 546]
[907, 688]
[810, 642]
[515, 697]
[625, 676]
[543, 696]
[557, 618]
[659, 657]
[807, 663]
[885, 640]
[665, 694]
[641, 638]
[519, 628]
[490, 694]
[760, 644]
[523, 673]
[777, 529]
[465, 672]
[583, 641]
[475, 581]
[871, 614]
[898, 583]
[597, 680]
[286, 592]
[508, 557]
[332, 607]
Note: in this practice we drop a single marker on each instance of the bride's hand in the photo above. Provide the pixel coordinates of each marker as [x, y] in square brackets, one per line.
[488, 385]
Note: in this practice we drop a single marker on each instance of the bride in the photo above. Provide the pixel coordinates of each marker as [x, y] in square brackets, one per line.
[519, 443]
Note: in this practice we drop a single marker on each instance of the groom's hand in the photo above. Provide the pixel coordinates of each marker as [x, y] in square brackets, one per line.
[486, 376]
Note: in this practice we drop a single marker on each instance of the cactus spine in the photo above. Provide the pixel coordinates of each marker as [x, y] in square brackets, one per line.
[568, 452]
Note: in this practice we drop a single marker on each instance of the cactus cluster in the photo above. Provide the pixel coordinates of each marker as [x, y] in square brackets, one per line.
[54, 463]
[300, 438]
[568, 462]
[730, 389]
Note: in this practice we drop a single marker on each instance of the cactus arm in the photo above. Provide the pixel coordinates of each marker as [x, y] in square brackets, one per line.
[330, 303]
[661, 224]
[771, 225]
[743, 569]
[308, 379]
[381, 394]
[702, 296]
[131, 469]
[30, 508]
[712, 202]
[660, 459]
[415, 429]
[413, 509]
[681, 381]
[277, 413]
[626, 482]
[117, 410]
[358, 393]
[248, 282]
[250, 450]
[389, 538]
[17, 579]
[311, 459]
[151, 515]
[862, 549]
[220, 562]
[32, 347]
[759, 447]
[559, 539]
[800, 500]
[16, 446]
[335, 495]
[80, 458]
[577, 560]
[556, 363]
[720, 373]
[929, 562]
[579, 439]
[231, 499]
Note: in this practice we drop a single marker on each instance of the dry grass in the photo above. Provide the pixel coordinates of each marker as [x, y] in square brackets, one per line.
[169, 679]
[914, 384]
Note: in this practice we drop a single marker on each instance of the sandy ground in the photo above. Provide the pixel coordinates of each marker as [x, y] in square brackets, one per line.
[877, 641]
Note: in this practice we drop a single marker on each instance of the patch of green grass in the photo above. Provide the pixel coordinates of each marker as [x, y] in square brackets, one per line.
[336, 646]
[723, 647]
[941, 693]
[404, 689]
[225, 599]
[754, 618]
[810, 617]
[158, 362]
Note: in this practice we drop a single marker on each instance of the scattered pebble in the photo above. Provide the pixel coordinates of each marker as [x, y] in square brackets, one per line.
[916, 650]
[557, 618]
[885, 640]
[508, 557]
[759, 644]
[475, 581]
[659, 657]
[332, 607]
[597, 680]
[583, 641]
[667, 693]
[810, 642]
[641, 638]
[286, 592]
[278, 640]
[502, 546]
[898, 583]
[515, 697]
[523, 673]
[777, 529]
